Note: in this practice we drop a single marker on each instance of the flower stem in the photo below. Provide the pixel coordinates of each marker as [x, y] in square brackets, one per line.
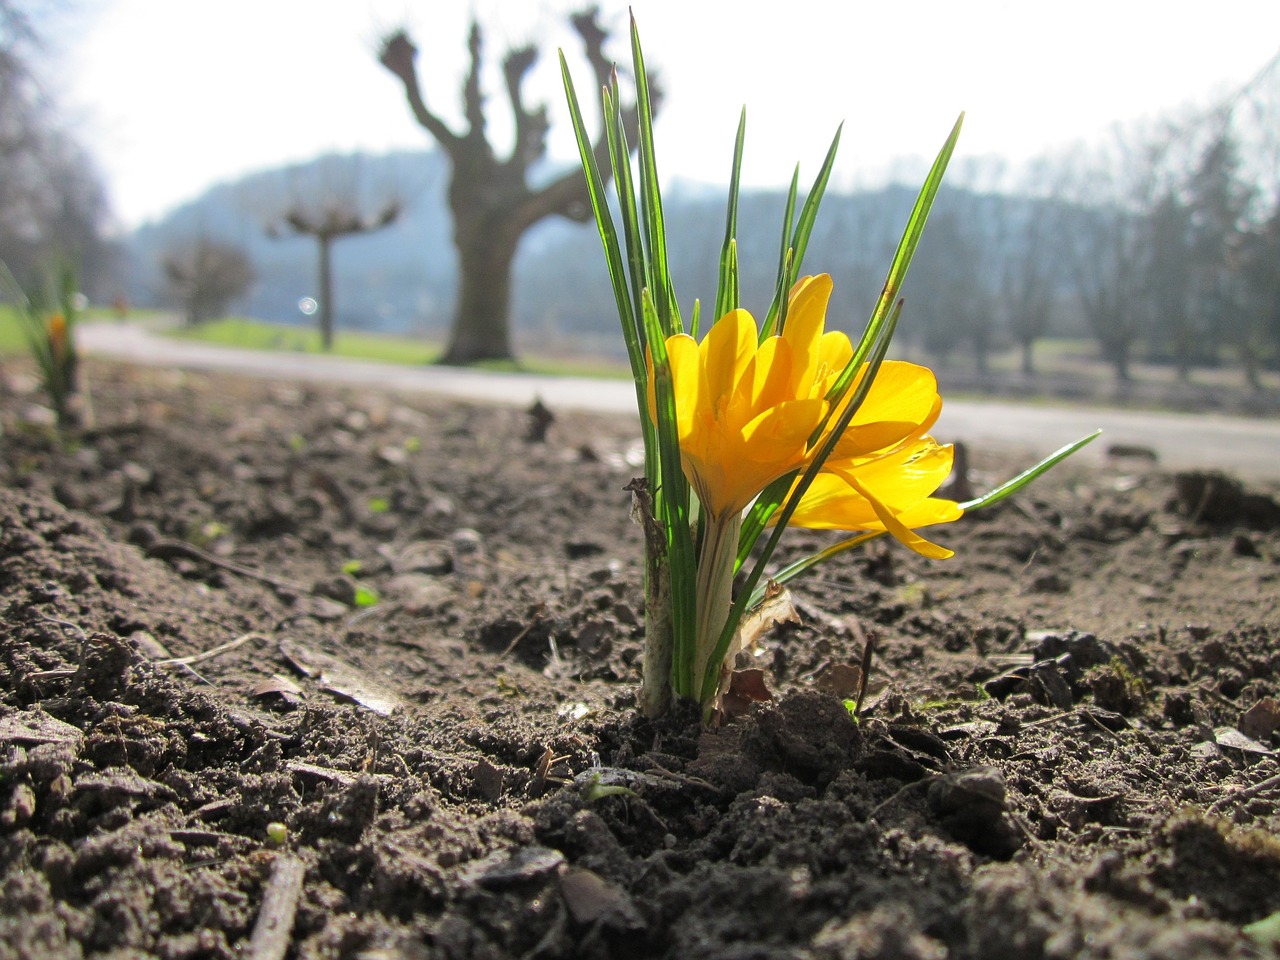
[715, 590]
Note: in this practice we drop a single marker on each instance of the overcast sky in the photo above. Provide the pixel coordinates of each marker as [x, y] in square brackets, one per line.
[172, 97]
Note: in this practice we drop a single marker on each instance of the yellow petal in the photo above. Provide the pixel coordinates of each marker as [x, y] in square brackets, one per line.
[901, 391]
[903, 403]
[902, 533]
[686, 381]
[768, 376]
[725, 351]
[806, 318]
[781, 433]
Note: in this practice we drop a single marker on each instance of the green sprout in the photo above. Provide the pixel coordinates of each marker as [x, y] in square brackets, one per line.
[48, 318]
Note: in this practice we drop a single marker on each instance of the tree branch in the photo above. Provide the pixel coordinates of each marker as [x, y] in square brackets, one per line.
[473, 99]
[567, 196]
[399, 55]
[531, 126]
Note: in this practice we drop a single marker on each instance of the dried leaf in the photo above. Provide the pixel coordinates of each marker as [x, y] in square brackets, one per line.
[506, 868]
[1261, 720]
[341, 678]
[842, 679]
[746, 687]
[1235, 740]
[278, 685]
[590, 898]
[35, 726]
[776, 608]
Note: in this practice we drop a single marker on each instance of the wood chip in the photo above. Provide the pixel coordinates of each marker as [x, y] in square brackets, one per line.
[272, 930]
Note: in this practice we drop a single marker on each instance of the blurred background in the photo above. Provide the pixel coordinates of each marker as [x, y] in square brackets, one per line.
[1111, 214]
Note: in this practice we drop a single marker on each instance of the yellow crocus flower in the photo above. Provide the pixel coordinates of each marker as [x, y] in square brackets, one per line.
[749, 411]
[746, 408]
[885, 467]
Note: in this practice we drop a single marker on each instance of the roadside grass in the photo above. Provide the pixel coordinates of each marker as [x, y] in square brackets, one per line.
[246, 333]
[1064, 357]
[13, 342]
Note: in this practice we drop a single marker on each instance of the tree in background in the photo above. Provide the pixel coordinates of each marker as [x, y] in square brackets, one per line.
[1255, 261]
[490, 197]
[1165, 285]
[52, 204]
[947, 297]
[1109, 255]
[1030, 265]
[328, 211]
[1219, 201]
[206, 277]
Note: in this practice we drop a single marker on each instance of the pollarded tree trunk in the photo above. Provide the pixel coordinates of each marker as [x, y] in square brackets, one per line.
[330, 220]
[326, 291]
[482, 328]
[489, 196]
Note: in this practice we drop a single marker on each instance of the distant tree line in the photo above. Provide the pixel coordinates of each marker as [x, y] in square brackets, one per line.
[1162, 244]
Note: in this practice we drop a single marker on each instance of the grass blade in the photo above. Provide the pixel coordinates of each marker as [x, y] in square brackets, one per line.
[727, 295]
[780, 288]
[655, 230]
[1021, 480]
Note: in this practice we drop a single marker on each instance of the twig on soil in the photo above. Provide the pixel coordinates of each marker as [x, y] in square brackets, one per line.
[1244, 795]
[271, 931]
[681, 778]
[875, 811]
[166, 549]
[537, 618]
[213, 651]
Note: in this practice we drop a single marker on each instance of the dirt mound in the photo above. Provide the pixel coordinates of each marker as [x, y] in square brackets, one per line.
[290, 671]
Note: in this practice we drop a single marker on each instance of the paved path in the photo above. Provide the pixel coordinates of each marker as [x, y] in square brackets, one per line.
[1247, 447]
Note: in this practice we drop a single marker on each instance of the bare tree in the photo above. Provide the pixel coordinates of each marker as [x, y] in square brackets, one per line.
[946, 295]
[1109, 252]
[1255, 260]
[328, 212]
[52, 204]
[489, 196]
[1031, 264]
[206, 276]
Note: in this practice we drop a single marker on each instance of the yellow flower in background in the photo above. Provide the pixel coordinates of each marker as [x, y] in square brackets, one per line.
[746, 408]
[58, 336]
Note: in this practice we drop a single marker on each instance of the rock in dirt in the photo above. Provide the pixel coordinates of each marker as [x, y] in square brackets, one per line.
[1211, 497]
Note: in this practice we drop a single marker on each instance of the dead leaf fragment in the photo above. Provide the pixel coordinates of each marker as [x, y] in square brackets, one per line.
[505, 868]
[746, 687]
[340, 678]
[1232, 738]
[30, 727]
[591, 898]
[842, 679]
[1261, 720]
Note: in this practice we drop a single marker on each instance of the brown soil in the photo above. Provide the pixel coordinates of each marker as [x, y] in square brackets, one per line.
[1069, 747]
